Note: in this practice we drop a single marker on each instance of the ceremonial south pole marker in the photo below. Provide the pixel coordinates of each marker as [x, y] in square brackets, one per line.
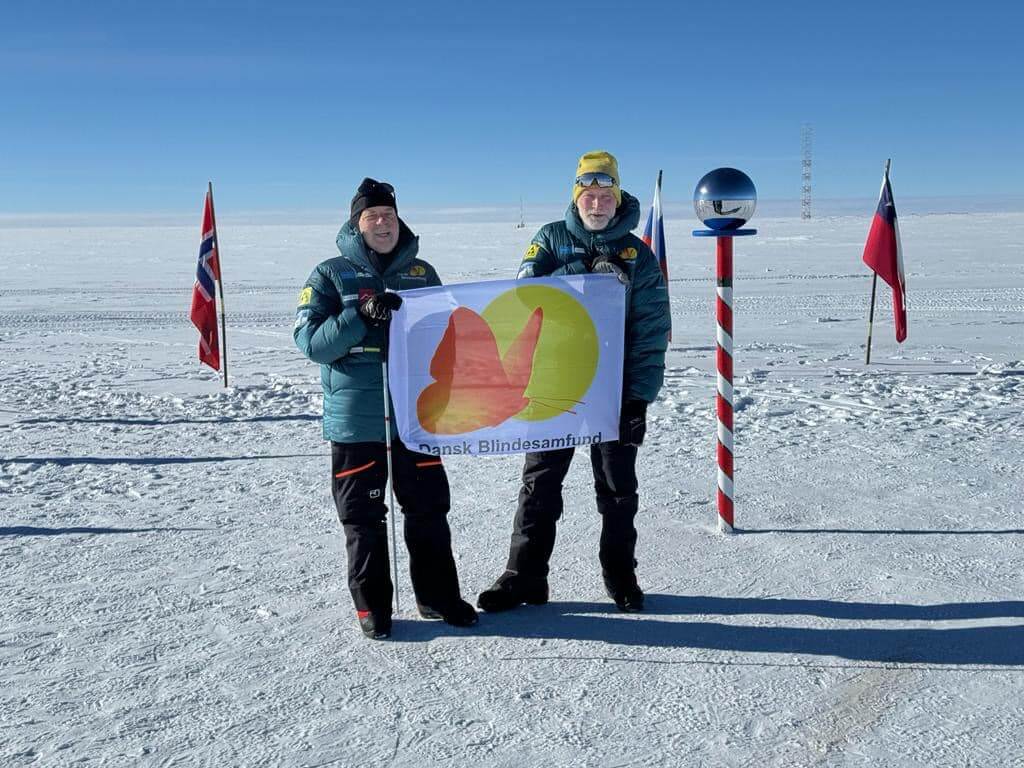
[724, 200]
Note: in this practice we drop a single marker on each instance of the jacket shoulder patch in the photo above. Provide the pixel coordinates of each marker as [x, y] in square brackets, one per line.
[628, 254]
[531, 252]
[305, 296]
[417, 270]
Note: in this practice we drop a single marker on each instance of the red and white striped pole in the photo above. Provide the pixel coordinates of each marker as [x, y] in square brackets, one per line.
[723, 398]
[724, 200]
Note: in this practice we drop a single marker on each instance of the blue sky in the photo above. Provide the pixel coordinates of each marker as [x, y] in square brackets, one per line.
[133, 106]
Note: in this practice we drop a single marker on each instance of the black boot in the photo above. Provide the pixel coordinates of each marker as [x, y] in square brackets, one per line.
[369, 576]
[511, 590]
[618, 545]
[533, 534]
[435, 579]
[626, 593]
[376, 626]
[458, 613]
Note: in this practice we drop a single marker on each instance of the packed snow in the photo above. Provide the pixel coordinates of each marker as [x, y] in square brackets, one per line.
[173, 573]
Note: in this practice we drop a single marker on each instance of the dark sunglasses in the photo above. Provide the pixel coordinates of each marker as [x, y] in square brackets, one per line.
[595, 180]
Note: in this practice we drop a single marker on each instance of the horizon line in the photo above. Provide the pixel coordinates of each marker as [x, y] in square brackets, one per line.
[788, 207]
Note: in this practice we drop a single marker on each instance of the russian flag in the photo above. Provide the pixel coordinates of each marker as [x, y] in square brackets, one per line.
[654, 235]
[204, 297]
[654, 230]
[884, 254]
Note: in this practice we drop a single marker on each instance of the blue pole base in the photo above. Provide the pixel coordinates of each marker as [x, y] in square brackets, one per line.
[723, 232]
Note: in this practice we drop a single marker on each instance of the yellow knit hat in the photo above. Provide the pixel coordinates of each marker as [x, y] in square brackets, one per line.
[598, 162]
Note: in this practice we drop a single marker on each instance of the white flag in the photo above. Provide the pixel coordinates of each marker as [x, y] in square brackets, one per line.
[508, 366]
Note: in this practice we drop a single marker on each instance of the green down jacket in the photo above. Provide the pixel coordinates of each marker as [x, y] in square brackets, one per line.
[566, 248]
[329, 330]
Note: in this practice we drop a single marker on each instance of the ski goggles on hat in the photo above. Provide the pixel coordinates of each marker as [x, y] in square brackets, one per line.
[595, 180]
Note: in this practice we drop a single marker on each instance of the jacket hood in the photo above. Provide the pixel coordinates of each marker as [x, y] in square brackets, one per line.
[625, 220]
[352, 246]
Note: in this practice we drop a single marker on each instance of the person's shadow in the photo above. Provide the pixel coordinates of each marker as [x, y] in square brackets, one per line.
[32, 530]
[998, 644]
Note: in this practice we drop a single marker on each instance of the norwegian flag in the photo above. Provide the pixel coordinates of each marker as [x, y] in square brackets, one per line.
[204, 301]
[654, 234]
[884, 254]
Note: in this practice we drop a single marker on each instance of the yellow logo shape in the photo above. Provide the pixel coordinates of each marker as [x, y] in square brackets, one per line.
[306, 296]
[628, 254]
[417, 270]
[531, 252]
[565, 360]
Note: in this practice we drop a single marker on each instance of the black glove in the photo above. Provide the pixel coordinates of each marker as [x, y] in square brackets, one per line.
[633, 422]
[377, 308]
[610, 265]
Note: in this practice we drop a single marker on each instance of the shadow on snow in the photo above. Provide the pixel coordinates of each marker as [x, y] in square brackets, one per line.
[990, 645]
[30, 530]
[69, 461]
[129, 422]
[886, 532]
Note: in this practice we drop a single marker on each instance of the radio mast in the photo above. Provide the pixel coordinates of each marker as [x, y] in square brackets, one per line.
[806, 138]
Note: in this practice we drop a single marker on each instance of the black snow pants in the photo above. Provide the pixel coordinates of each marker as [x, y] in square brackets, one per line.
[540, 507]
[359, 483]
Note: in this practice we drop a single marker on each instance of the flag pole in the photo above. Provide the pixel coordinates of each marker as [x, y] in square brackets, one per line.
[220, 289]
[871, 317]
[874, 282]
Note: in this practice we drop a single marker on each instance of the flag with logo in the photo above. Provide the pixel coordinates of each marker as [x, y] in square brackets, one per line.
[204, 301]
[884, 254]
[508, 366]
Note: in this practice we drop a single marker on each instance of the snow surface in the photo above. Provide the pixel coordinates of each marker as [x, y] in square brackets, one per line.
[173, 587]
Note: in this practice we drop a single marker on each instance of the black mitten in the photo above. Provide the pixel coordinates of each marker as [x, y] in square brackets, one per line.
[633, 422]
[377, 307]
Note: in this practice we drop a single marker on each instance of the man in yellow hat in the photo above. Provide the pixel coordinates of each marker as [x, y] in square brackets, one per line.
[595, 236]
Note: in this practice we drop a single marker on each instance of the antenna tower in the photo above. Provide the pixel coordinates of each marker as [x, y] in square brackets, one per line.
[806, 138]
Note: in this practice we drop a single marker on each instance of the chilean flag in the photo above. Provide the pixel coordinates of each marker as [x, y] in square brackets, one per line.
[884, 255]
[654, 234]
[204, 301]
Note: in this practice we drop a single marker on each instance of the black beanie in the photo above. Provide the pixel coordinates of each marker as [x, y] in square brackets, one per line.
[371, 193]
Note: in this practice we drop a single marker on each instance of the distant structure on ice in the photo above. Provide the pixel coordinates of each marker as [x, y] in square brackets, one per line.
[522, 221]
[806, 136]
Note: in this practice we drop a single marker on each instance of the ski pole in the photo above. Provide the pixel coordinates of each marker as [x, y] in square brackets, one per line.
[391, 478]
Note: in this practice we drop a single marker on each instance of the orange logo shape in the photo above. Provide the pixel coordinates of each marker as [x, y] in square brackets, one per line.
[474, 386]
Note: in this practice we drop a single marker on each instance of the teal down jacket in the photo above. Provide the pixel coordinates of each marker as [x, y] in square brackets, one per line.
[565, 248]
[329, 330]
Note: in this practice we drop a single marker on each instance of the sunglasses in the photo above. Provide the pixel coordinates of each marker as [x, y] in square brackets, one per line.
[595, 180]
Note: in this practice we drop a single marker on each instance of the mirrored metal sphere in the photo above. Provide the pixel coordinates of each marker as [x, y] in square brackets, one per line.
[725, 199]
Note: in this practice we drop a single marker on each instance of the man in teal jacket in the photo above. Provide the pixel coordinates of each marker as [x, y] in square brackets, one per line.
[342, 323]
[595, 236]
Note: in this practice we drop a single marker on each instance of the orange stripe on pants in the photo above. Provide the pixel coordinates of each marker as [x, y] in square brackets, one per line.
[354, 470]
